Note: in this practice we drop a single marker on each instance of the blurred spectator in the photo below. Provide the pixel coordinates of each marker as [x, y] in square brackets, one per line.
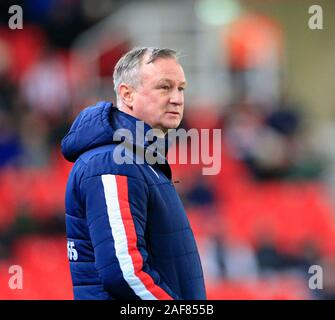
[253, 44]
[34, 136]
[225, 257]
[212, 256]
[62, 19]
[268, 257]
[241, 261]
[322, 150]
[269, 142]
[197, 192]
[7, 87]
[45, 86]
[10, 144]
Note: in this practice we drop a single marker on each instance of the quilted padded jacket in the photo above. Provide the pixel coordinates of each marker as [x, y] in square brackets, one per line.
[127, 231]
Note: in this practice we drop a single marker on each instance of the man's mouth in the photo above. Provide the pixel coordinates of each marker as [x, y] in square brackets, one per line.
[173, 113]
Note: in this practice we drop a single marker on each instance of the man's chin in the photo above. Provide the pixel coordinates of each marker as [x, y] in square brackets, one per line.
[167, 126]
[172, 125]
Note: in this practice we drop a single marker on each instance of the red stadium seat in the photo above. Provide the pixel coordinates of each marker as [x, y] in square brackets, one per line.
[45, 266]
[275, 288]
[9, 197]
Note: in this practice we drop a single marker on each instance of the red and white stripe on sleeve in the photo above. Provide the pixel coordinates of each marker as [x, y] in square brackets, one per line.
[125, 239]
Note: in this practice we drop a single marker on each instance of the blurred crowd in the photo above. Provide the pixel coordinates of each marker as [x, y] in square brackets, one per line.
[260, 223]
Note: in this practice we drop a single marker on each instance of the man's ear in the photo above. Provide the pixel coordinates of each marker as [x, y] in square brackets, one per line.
[126, 94]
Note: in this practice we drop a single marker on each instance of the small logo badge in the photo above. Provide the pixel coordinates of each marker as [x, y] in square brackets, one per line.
[72, 253]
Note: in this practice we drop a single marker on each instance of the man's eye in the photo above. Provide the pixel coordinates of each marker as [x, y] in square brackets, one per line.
[181, 88]
[165, 87]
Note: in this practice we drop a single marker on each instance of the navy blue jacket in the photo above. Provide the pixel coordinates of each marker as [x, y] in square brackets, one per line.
[128, 233]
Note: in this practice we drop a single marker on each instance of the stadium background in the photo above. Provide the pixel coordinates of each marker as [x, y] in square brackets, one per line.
[255, 69]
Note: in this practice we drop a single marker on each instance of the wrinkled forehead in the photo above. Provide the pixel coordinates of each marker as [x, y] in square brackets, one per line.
[162, 68]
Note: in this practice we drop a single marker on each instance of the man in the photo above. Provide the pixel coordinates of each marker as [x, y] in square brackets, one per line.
[128, 234]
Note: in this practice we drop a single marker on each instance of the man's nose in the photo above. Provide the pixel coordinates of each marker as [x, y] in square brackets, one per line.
[177, 97]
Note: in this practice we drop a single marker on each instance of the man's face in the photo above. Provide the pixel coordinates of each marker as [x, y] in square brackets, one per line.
[159, 98]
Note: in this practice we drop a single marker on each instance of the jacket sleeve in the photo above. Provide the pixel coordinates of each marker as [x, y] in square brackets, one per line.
[116, 208]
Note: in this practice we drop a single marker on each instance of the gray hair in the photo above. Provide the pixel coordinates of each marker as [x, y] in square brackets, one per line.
[127, 68]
